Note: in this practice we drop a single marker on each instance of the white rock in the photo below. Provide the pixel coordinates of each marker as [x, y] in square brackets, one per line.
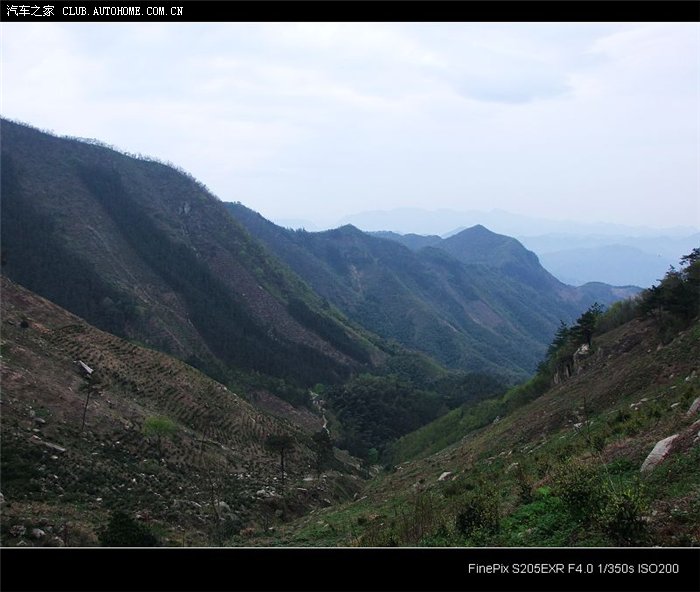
[658, 454]
[444, 476]
[695, 407]
[37, 533]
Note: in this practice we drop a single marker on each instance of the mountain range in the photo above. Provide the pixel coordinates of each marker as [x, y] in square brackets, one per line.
[476, 300]
[575, 252]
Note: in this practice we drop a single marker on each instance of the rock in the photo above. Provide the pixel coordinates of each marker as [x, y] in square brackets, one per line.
[512, 466]
[22, 543]
[658, 454]
[50, 445]
[37, 533]
[694, 407]
[444, 476]
[2, 499]
[224, 510]
[18, 530]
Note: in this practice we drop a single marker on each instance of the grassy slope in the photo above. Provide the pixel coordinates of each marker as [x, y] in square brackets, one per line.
[630, 393]
[216, 454]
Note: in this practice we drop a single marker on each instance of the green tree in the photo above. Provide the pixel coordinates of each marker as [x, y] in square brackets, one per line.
[280, 444]
[159, 427]
[323, 447]
[586, 323]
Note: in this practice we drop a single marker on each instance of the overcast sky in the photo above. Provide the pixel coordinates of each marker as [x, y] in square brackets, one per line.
[596, 122]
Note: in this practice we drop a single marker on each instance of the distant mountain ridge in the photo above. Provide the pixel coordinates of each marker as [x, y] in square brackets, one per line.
[445, 222]
[476, 301]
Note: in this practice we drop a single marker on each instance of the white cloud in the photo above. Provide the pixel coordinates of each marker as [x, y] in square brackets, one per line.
[322, 119]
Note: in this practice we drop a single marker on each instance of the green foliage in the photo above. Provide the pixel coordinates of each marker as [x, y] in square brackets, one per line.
[578, 486]
[123, 531]
[617, 314]
[328, 328]
[159, 426]
[615, 507]
[621, 515]
[582, 331]
[375, 410]
[675, 302]
[456, 424]
[478, 511]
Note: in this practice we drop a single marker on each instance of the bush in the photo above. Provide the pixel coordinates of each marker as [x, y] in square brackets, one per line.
[124, 531]
[621, 515]
[578, 486]
[478, 511]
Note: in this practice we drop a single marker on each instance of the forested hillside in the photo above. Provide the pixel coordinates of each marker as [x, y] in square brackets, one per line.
[477, 301]
[144, 251]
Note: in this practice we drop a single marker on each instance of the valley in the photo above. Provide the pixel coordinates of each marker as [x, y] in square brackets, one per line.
[179, 371]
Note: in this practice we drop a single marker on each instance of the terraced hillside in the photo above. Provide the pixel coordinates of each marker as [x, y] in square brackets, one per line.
[569, 468]
[76, 448]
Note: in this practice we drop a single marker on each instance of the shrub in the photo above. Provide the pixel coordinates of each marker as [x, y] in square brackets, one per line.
[578, 486]
[124, 531]
[478, 511]
[621, 515]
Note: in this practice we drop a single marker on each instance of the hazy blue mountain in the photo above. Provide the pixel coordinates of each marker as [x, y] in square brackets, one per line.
[639, 260]
[609, 263]
[415, 242]
[446, 222]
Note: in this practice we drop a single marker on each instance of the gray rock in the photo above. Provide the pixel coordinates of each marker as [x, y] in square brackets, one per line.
[444, 476]
[658, 454]
[18, 530]
[694, 407]
[37, 533]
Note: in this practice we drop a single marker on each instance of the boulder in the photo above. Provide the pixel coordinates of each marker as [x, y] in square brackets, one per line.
[444, 476]
[694, 407]
[658, 454]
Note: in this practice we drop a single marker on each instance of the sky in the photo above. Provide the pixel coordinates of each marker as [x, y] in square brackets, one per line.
[316, 121]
